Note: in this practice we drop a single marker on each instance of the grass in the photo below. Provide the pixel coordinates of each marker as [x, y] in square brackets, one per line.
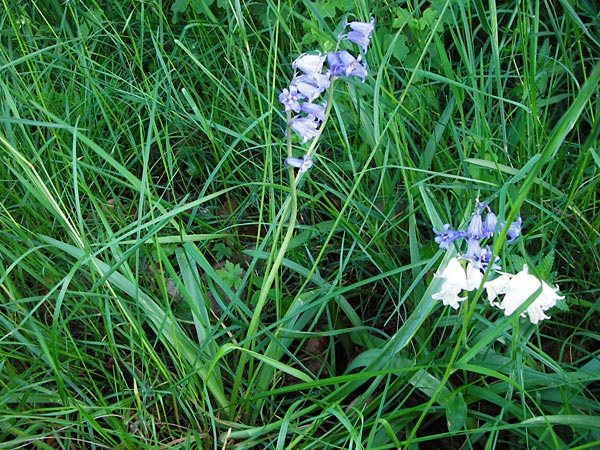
[151, 298]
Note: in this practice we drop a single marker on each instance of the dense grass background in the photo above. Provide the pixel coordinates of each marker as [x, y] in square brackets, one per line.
[142, 184]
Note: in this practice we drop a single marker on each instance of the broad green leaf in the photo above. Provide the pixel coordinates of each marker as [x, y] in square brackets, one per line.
[456, 412]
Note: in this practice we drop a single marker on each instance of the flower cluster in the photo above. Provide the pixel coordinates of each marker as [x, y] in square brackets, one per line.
[311, 79]
[479, 228]
[515, 289]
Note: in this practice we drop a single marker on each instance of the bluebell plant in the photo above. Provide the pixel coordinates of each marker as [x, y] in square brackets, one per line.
[516, 289]
[306, 115]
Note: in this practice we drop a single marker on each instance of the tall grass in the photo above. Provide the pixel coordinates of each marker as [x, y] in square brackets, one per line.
[142, 206]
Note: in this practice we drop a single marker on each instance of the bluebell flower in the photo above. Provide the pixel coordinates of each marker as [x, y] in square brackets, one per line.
[306, 127]
[311, 86]
[310, 80]
[478, 229]
[518, 289]
[454, 281]
[343, 63]
[489, 224]
[481, 258]
[290, 98]
[314, 110]
[473, 253]
[486, 259]
[301, 164]
[447, 236]
[309, 64]
[514, 229]
[361, 33]
[475, 229]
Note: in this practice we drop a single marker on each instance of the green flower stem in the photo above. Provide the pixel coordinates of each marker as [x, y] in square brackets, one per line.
[266, 287]
[313, 144]
[274, 265]
[262, 378]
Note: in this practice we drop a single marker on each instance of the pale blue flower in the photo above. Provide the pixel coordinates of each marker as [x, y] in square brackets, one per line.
[301, 164]
[489, 224]
[473, 252]
[361, 33]
[309, 64]
[486, 259]
[475, 229]
[514, 229]
[306, 127]
[290, 98]
[311, 86]
[314, 110]
[447, 236]
[343, 63]
[481, 257]
[478, 229]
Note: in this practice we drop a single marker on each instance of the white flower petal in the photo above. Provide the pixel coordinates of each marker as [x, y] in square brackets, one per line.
[474, 277]
[518, 290]
[454, 275]
[449, 298]
[535, 313]
[496, 287]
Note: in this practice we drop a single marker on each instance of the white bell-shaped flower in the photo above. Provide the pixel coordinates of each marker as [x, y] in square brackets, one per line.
[517, 290]
[497, 287]
[474, 277]
[454, 281]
